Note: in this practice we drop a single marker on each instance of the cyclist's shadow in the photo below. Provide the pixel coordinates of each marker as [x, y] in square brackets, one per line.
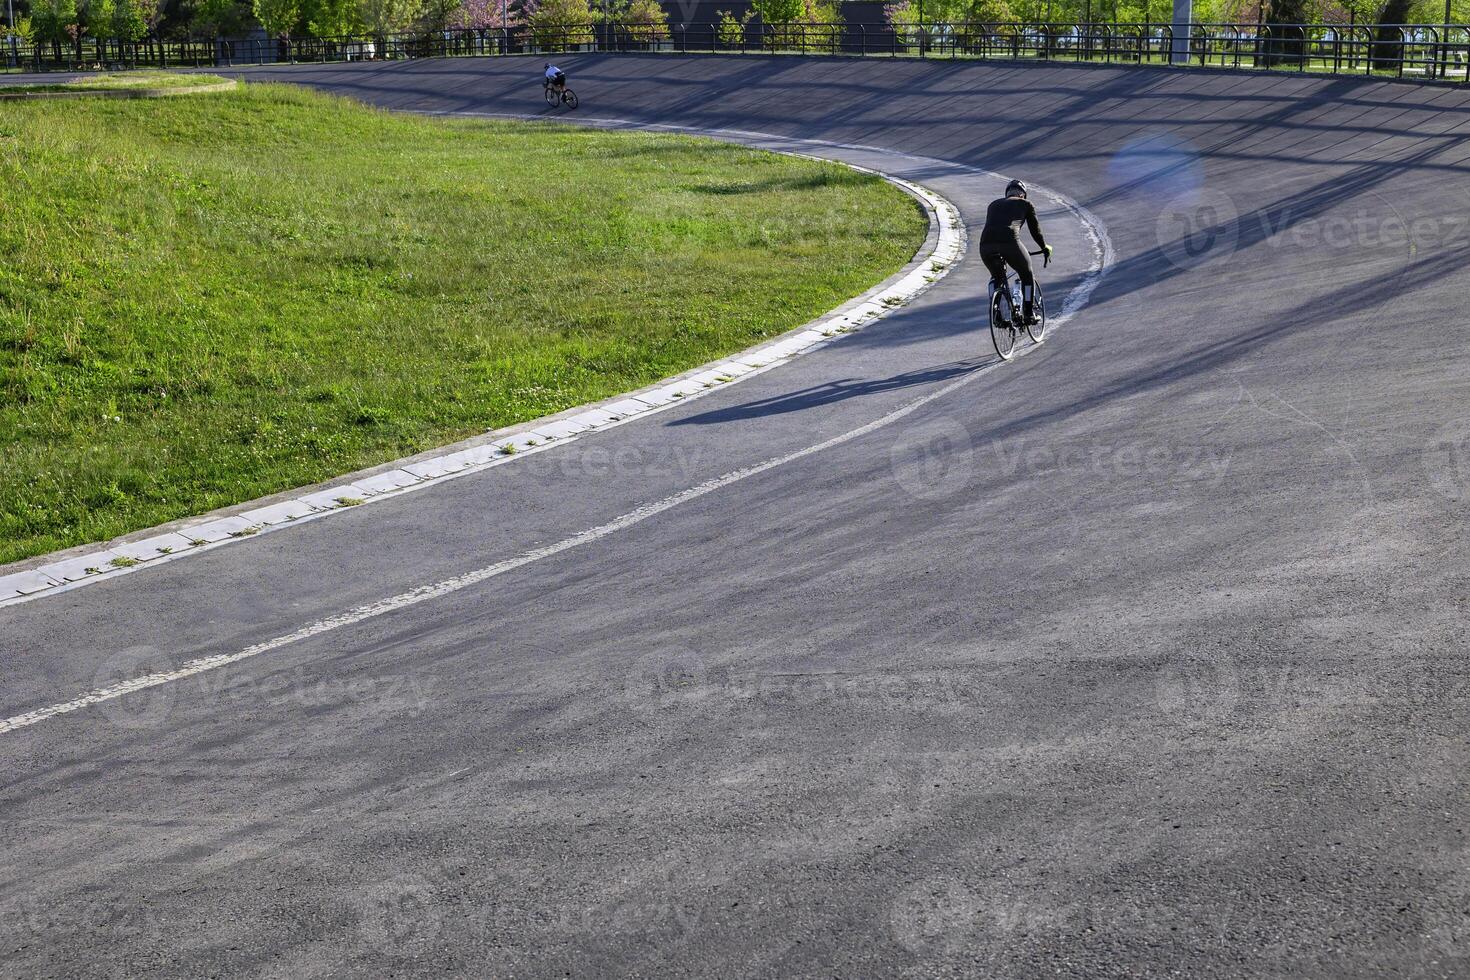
[832, 392]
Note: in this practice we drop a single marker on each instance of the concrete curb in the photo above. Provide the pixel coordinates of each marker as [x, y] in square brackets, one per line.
[943, 248]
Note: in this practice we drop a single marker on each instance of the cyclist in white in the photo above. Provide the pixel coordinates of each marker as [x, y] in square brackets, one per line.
[555, 78]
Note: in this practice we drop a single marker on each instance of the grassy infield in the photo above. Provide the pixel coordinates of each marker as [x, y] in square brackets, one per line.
[207, 300]
[132, 81]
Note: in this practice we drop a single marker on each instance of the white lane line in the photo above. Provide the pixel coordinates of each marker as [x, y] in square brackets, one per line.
[451, 585]
[1076, 299]
[949, 246]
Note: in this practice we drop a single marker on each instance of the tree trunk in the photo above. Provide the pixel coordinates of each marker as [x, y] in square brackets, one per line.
[1285, 38]
[1388, 47]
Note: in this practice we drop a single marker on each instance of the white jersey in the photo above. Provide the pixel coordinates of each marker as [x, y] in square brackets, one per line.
[551, 72]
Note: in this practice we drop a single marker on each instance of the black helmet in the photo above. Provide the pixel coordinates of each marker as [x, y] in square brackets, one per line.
[1015, 187]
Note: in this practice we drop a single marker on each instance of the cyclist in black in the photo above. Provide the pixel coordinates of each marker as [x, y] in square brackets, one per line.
[1000, 242]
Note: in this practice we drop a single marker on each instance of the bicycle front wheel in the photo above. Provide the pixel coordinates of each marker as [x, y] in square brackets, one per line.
[570, 98]
[553, 97]
[1037, 330]
[1001, 332]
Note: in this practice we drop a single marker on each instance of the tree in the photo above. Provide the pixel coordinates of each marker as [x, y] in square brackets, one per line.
[732, 29]
[128, 23]
[278, 17]
[95, 19]
[152, 13]
[957, 12]
[967, 24]
[1285, 39]
[217, 17]
[1388, 46]
[54, 21]
[646, 20]
[776, 12]
[438, 14]
[784, 22]
[332, 18]
[560, 25]
[484, 15]
[821, 22]
[390, 16]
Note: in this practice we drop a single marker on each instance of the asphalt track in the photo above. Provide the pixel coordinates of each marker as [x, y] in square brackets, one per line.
[1143, 655]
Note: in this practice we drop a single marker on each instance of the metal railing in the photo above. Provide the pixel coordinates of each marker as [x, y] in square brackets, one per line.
[1422, 51]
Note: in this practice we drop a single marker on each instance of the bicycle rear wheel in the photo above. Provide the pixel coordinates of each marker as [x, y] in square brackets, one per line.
[1001, 332]
[570, 98]
[553, 97]
[1037, 330]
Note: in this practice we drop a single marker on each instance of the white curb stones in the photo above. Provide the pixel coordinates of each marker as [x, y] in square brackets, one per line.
[948, 248]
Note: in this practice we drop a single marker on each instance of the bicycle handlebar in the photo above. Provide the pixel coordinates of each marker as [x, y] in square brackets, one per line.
[1044, 262]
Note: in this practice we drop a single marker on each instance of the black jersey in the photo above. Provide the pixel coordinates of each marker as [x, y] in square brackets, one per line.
[1003, 222]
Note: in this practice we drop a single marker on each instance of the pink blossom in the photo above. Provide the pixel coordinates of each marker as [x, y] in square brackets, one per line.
[485, 15]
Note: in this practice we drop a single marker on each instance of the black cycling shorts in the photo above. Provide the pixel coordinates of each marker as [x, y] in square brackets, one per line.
[997, 256]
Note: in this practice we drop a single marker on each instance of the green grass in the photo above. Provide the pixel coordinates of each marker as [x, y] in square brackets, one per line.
[203, 302]
[124, 81]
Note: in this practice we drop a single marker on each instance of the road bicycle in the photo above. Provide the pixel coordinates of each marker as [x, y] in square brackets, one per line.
[555, 96]
[1005, 312]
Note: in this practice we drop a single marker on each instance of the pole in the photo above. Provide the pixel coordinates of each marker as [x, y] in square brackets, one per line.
[1444, 48]
[1353, 39]
[1183, 18]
